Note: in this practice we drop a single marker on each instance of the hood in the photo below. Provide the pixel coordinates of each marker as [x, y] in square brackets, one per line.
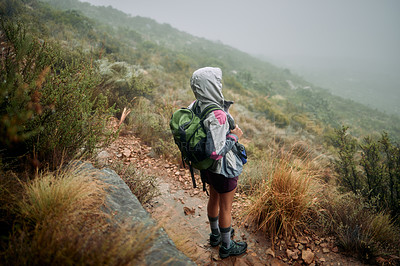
[206, 84]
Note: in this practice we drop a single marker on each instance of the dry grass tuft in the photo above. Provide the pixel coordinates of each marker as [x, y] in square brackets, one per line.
[60, 222]
[286, 193]
[358, 227]
[57, 195]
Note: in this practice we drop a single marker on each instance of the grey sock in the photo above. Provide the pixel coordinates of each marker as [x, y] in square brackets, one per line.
[214, 225]
[226, 236]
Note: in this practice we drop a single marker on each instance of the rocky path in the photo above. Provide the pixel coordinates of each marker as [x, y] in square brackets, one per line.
[181, 210]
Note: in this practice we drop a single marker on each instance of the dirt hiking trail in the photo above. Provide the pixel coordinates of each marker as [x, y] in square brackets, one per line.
[182, 212]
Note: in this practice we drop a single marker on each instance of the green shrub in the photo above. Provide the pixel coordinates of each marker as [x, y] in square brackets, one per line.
[372, 163]
[47, 107]
[10, 8]
[270, 111]
[391, 154]
[150, 120]
[345, 165]
[24, 66]
[232, 83]
[375, 175]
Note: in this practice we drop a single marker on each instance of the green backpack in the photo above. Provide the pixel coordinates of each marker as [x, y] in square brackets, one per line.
[190, 136]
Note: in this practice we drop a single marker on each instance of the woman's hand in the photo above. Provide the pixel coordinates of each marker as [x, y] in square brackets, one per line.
[237, 131]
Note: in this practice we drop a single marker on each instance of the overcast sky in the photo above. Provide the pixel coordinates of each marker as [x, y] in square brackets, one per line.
[368, 29]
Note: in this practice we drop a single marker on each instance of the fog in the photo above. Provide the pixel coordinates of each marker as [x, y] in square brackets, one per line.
[311, 37]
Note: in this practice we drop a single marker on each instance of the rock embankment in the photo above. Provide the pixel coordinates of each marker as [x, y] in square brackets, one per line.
[126, 207]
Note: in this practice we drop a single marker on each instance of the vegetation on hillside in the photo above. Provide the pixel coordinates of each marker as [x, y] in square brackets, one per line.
[67, 67]
[370, 168]
[49, 109]
[178, 53]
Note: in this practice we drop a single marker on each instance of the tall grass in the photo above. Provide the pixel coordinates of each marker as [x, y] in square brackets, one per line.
[283, 191]
[59, 221]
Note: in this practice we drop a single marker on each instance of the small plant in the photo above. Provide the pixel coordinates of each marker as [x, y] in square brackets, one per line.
[122, 85]
[51, 196]
[271, 111]
[143, 186]
[345, 165]
[23, 68]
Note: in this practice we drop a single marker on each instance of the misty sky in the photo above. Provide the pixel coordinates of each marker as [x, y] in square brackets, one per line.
[354, 29]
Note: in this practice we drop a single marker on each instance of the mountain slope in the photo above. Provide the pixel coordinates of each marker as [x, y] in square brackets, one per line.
[177, 51]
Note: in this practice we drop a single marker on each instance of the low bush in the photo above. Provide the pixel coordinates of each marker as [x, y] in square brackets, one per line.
[271, 111]
[122, 84]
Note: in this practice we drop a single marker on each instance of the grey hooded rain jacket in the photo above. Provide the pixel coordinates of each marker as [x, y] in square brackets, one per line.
[206, 84]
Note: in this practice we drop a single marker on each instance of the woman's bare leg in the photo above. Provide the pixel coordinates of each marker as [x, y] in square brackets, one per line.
[213, 203]
[225, 208]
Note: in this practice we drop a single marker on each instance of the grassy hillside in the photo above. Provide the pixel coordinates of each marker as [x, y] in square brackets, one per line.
[68, 67]
[183, 52]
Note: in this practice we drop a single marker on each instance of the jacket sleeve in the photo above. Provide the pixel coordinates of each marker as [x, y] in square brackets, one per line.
[219, 140]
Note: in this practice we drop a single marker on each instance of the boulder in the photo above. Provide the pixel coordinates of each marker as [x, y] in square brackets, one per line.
[126, 207]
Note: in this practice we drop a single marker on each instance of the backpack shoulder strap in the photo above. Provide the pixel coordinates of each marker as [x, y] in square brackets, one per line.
[195, 108]
[203, 115]
[208, 110]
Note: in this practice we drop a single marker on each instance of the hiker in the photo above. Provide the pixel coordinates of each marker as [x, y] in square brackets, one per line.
[222, 176]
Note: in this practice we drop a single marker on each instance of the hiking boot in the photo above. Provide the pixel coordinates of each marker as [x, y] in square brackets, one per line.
[215, 240]
[236, 248]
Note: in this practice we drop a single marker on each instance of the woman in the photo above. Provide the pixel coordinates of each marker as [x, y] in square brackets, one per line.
[222, 176]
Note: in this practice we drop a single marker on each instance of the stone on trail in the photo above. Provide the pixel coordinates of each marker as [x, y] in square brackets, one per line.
[325, 250]
[307, 256]
[188, 210]
[270, 252]
[292, 254]
[103, 155]
[303, 240]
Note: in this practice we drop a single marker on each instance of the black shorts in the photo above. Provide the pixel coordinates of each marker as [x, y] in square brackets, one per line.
[219, 182]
